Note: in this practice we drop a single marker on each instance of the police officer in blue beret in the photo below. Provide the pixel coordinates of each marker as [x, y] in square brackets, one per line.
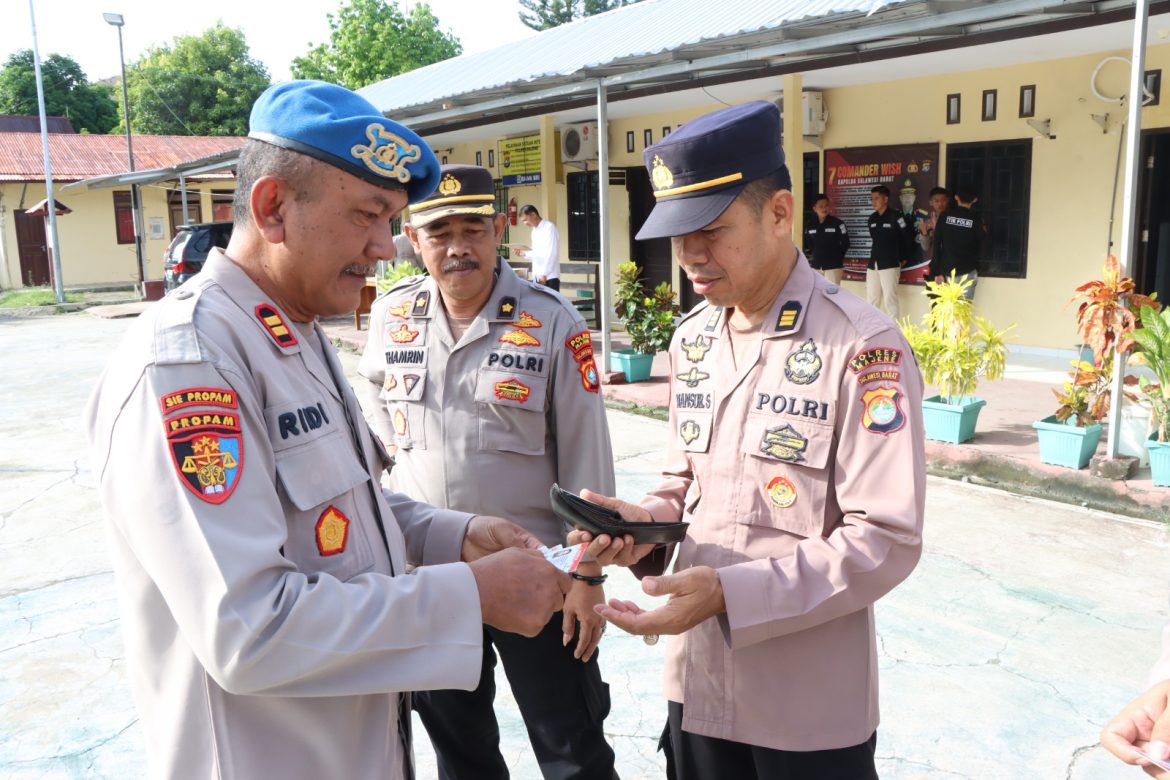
[796, 455]
[270, 630]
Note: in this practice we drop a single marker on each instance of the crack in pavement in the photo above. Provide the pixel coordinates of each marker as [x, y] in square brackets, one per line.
[42, 586]
[1076, 756]
[4, 515]
[934, 770]
[76, 753]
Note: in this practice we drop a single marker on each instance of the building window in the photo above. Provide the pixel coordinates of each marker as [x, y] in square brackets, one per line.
[666, 131]
[479, 158]
[630, 141]
[1027, 101]
[1152, 80]
[647, 137]
[491, 158]
[221, 205]
[123, 218]
[989, 105]
[584, 216]
[999, 174]
[953, 102]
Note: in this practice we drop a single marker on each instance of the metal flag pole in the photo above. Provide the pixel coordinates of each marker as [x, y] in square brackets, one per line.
[51, 203]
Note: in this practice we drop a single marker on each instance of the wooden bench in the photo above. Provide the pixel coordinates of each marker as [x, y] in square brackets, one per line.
[580, 284]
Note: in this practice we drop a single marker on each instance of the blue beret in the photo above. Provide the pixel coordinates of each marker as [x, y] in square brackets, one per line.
[340, 127]
[698, 170]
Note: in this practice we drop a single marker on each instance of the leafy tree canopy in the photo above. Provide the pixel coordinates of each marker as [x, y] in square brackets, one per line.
[68, 93]
[546, 14]
[373, 40]
[200, 85]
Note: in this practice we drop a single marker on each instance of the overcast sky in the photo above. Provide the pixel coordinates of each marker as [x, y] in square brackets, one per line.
[76, 27]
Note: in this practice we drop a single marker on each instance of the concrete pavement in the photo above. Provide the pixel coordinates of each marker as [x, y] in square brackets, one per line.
[1026, 626]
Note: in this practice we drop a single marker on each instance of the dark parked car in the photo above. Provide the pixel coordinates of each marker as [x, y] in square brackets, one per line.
[188, 249]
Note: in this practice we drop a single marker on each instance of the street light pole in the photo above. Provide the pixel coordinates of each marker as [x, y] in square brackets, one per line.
[116, 20]
[50, 201]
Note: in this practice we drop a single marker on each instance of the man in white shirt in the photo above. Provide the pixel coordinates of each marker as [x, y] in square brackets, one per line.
[545, 253]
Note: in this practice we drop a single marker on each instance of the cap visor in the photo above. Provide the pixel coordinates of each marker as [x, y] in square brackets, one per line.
[678, 217]
[420, 219]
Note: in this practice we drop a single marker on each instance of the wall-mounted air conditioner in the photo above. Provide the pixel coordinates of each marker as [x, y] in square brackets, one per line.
[579, 142]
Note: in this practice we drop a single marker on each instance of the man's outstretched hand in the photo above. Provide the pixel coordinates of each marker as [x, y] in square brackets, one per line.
[695, 595]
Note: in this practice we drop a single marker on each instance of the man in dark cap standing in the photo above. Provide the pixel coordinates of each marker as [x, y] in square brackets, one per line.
[796, 454]
[269, 630]
[485, 385]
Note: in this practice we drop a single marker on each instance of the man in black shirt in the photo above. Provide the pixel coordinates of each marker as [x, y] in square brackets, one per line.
[888, 252]
[826, 241]
[957, 241]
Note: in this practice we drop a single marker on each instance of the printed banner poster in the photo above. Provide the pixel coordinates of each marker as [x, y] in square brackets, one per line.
[520, 160]
[910, 171]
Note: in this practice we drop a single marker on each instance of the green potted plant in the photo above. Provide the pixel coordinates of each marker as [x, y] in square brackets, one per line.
[397, 273]
[1107, 316]
[1153, 351]
[954, 348]
[1069, 437]
[649, 320]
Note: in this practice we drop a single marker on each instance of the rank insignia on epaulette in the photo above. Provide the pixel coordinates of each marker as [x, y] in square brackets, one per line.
[403, 334]
[784, 443]
[803, 365]
[513, 390]
[527, 321]
[781, 492]
[520, 338]
[402, 310]
[789, 316]
[422, 302]
[277, 328]
[693, 377]
[332, 531]
[697, 349]
[207, 450]
[713, 320]
[507, 308]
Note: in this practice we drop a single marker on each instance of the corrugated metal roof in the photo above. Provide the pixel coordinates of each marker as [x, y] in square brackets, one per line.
[649, 32]
[76, 157]
[19, 123]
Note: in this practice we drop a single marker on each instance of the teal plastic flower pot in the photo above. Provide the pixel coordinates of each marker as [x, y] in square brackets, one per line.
[1062, 444]
[954, 423]
[1159, 460]
[634, 365]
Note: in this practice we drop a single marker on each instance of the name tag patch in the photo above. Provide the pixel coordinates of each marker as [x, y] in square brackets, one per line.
[302, 420]
[532, 364]
[791, 405]
[406, 356]
[692, 400]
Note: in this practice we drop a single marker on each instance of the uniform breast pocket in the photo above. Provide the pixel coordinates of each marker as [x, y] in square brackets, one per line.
[511, 412]
[325, 533]
[786, 474]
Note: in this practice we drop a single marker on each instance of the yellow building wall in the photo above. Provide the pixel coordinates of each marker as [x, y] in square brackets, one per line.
[1072, 179]
[1072, 174]
[90, 253]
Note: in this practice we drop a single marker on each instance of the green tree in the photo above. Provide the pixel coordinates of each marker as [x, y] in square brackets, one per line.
[371, 40]
[67, 92]
[200, 85]
[546, 14]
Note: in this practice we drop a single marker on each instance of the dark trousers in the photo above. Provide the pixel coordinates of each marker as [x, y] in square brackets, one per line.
[563, 701]
[553, 284]
[693, 757]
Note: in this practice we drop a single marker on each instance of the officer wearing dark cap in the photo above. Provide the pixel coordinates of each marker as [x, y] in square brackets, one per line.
[795, 452]
[485, 385]
[269, 629]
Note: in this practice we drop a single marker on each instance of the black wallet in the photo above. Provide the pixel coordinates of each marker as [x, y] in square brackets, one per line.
[575, 512]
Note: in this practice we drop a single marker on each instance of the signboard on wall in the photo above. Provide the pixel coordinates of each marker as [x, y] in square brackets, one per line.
[520, 160]
[909, 170]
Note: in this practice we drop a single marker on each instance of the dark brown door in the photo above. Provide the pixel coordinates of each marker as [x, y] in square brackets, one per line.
[175, 206]
[34, 250]
[1151, 271]
[652, 257]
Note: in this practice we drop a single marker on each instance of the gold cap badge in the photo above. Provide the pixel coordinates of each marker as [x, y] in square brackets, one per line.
[387, 154]
[449, 185]
[661, 176]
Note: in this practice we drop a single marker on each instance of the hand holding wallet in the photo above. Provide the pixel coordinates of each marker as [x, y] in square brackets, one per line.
[575, 512]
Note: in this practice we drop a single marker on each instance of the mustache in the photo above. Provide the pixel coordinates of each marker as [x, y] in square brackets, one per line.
[460, 264]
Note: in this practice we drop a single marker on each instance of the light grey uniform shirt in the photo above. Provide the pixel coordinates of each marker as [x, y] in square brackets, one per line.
[496, 419]
[268, 624]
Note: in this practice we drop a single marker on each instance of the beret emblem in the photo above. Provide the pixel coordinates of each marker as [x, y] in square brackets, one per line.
[387, 154]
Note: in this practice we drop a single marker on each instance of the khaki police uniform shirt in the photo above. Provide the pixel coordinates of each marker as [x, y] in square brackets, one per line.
[496, 419]
[802, 474]
[265, 635]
